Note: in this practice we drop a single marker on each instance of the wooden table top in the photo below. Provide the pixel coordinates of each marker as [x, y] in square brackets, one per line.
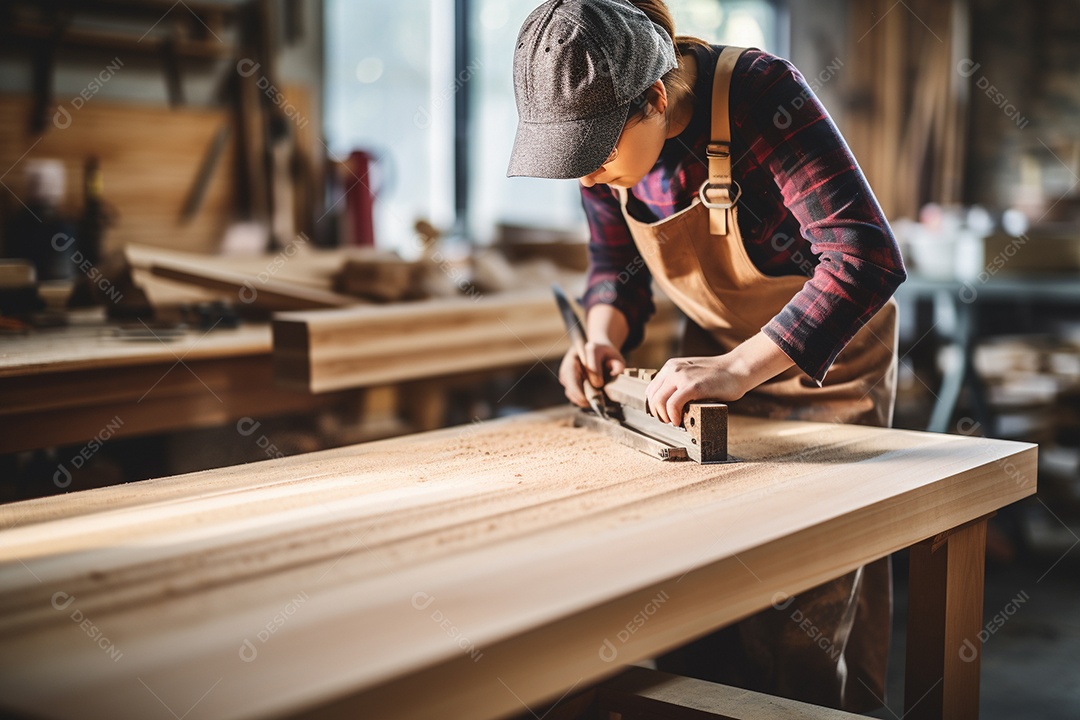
[89, 343]
[460, 573]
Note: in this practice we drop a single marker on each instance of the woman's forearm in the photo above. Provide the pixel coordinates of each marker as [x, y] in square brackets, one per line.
[756, 360]
[606, 325]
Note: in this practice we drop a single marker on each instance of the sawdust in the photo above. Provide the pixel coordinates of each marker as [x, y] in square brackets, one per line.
[344, 515]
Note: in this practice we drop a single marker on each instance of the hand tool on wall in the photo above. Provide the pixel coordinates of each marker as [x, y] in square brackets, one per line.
[206, 172]
[170, 65]
[44, 65]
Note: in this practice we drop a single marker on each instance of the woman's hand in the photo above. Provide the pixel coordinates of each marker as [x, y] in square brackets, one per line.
[725, 378]
[602, 362]
[684, 380]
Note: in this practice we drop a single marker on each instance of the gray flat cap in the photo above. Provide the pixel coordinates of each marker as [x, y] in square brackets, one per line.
[578, 65]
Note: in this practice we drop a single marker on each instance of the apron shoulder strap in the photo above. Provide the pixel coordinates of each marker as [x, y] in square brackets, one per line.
[716, 192]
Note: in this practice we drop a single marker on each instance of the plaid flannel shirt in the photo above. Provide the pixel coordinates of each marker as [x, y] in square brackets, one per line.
[806, 209]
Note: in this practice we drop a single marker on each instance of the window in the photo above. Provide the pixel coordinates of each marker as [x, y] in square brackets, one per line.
[388, 70]
[394, 81]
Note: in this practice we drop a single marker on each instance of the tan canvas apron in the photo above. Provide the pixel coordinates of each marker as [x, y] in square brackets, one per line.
[698, 259]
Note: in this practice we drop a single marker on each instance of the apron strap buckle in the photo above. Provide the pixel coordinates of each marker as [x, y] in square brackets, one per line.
[707, 186]
[718, 149]
[718, 211]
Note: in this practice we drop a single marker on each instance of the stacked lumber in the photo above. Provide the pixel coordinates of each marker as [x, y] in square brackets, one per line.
[1033, 389]
[257, 290]
[65, 385]
[1032, 384]
[325, 350]
[356, 347]
[302, 278]
[381, 278]
[297, 278]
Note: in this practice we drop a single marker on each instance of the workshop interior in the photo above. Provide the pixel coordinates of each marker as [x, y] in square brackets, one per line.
[338, 378]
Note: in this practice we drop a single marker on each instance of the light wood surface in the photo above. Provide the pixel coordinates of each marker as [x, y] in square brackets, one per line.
[89, 343]
[294, 279]
[640, 693]
[328, 350]
[66, 385]
[354, 347]
[461, 573]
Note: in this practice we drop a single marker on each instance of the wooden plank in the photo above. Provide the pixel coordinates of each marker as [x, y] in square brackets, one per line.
[294, 279]
[270, 294]
[458, 573]
[356, 347]
[300, 264]
[62, 408]
[386, 279]
[336, 349]
[643, 694]
[88, 343]
[65, 385]
[28, 33]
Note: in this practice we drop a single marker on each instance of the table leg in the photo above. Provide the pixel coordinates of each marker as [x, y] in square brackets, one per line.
[956, 375]
[945, 602]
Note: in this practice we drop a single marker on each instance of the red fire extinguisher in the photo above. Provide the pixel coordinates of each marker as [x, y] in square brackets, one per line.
[361, 198]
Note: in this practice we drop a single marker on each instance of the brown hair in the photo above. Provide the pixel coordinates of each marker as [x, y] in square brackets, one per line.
[675, 80]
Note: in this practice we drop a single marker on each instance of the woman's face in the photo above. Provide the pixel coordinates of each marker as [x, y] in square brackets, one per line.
[637, 151]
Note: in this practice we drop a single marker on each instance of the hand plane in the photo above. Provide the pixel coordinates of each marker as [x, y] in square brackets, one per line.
[702, 437]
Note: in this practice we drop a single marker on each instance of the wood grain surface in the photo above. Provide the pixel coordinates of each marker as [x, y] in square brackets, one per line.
[460, 573]
[327, 350]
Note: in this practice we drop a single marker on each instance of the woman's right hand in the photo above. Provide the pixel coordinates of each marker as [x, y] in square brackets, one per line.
[603, 361]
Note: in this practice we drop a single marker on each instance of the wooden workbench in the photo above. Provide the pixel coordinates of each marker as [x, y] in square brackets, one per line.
[468, 572]
[65, 385]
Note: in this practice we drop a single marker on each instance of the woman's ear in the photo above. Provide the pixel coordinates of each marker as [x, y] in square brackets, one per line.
[660, 98]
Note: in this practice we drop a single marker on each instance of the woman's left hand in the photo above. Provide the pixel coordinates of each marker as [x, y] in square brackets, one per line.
[725, 378]
[684, 380]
